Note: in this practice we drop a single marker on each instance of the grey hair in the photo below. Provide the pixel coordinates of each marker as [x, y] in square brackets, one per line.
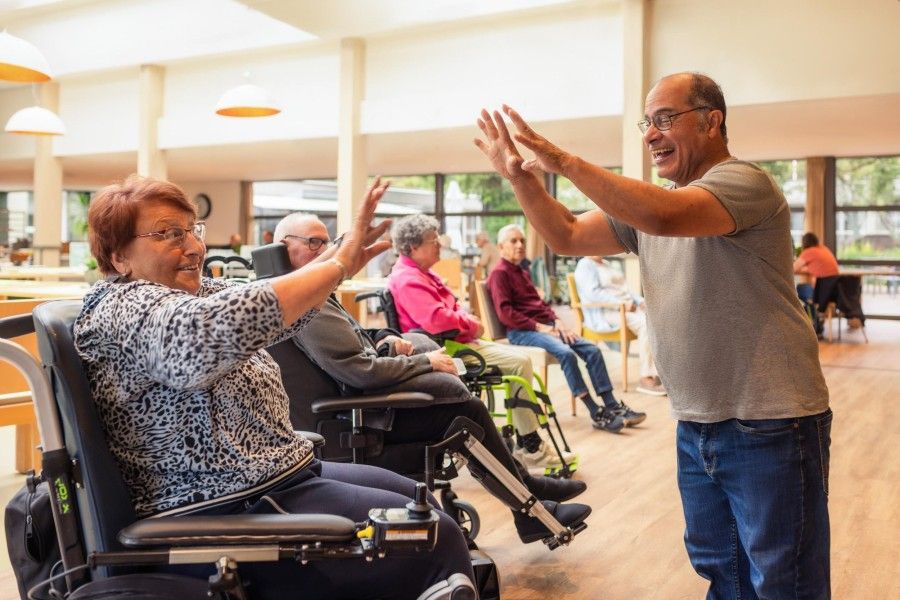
[506, 230]
[287, 224]
[410, 231]
[706, 92]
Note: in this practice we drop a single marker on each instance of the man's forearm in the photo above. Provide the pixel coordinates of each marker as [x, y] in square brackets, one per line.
[551, 218]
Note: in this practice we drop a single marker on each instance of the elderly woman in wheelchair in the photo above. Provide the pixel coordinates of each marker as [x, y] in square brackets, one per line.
[193, 408]
[385, 361]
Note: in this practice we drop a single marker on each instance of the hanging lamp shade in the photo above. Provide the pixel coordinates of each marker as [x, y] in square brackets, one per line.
[247, 100]
[20, 61]
[35, 120]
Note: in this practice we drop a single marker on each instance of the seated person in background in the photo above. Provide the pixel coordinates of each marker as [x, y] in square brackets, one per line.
[192, 406]
[447, 249]
[424, 302]
[816, 261]
[599, 281]
[387, 362]
[235, 242]
[267, 236]
[531, 322]
[489, 256]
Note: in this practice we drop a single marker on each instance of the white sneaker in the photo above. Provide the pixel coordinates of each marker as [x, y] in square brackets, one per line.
[651, 386]
[544, 457]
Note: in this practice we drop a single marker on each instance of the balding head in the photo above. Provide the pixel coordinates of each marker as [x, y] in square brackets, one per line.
[298, 231]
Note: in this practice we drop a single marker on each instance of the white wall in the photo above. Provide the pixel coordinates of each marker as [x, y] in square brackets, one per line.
[768, 51]
[224, 216]
[100, 113]
[304, 82]
[549, 66]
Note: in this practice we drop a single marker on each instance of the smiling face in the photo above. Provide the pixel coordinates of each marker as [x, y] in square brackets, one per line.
[684, 152]
[155, 259]
[512, 246]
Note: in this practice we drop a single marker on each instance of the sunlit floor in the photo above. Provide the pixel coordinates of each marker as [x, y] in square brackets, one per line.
[633, 547]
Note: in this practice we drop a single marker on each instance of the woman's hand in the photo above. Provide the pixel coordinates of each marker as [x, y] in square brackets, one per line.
[361, 243]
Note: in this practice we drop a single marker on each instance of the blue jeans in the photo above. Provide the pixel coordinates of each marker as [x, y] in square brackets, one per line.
[755, 497]
[567, 355]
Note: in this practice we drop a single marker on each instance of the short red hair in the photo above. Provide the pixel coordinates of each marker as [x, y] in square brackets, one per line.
[114, 211]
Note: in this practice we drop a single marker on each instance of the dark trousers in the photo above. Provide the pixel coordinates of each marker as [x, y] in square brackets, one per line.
[429, 424]
[350, 490]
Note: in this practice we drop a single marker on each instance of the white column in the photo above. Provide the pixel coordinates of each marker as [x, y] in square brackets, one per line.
[151, 160]
[635, 85]
[351, 168]
[48, 188]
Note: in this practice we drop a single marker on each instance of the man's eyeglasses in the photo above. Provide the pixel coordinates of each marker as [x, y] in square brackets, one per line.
[663, 122]
[313, 242]
[175, 236]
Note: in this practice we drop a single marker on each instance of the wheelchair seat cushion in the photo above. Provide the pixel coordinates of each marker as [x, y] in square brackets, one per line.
[146, 586]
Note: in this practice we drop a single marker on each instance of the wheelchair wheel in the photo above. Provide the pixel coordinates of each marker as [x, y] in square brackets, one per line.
[467, 518]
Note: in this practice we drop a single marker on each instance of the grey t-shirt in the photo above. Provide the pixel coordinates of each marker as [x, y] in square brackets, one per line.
[729, 335]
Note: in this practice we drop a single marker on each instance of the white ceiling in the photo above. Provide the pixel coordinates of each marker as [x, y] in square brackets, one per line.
[838, 126]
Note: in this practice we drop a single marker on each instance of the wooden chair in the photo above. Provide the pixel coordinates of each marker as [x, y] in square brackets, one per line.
[16, 407]
[450, 270]
[495, 331]
[622, 335]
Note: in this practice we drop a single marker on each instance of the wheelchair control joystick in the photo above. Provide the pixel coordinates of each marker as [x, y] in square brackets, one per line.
[419, 507]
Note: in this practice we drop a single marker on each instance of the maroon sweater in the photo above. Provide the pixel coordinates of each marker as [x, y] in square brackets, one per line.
[516, 299]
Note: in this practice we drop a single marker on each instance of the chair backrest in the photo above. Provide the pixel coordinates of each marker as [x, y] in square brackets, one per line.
[304, 382]
[575, 300]
[104, 505]
[450, 270]
[493, 328]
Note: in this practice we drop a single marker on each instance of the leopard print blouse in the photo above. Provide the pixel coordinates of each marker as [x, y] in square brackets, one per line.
[193, 407]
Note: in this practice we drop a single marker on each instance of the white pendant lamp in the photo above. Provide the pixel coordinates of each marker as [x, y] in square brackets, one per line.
[20, 61]
[35, 120]
[247, 100]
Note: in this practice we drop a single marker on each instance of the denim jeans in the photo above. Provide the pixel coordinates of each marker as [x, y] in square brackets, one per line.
[567, 355]
[755, 497]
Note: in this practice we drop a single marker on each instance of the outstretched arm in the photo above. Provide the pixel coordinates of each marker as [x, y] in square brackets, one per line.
[688, 211]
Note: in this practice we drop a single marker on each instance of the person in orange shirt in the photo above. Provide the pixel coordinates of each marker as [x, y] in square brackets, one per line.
[815, 260]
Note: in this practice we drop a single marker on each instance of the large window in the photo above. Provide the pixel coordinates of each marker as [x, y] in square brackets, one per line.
[790, 175]
[867, 211]
[16, 222]
[867, 227]
[474, 202]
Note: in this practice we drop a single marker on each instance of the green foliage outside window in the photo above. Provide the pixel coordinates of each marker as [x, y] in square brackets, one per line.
[868, 181]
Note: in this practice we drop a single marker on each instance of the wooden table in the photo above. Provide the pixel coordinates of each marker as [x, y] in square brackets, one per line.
[346, 295]
[10, 288]
[41, 273]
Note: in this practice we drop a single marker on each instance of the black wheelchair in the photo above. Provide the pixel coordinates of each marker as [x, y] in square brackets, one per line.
[107, 552]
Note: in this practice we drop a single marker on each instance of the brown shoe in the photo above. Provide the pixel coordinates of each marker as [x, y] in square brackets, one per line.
[651, 386]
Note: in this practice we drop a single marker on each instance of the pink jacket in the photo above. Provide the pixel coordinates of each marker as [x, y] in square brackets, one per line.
[424, 302]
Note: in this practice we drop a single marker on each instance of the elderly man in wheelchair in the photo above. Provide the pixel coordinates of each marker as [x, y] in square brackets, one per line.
[194, 412]
[385, 361]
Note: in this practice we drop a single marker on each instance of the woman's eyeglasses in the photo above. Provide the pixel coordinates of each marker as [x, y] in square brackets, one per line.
[175, 236]
[313, 242]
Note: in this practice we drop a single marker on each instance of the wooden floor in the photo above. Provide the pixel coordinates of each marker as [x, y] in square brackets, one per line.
[633, 548]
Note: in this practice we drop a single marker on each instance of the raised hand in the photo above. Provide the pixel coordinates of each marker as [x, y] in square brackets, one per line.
[360, 245]
[548, 157]
[498, 147]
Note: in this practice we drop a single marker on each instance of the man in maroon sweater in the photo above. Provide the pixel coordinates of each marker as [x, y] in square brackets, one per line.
[531, 322]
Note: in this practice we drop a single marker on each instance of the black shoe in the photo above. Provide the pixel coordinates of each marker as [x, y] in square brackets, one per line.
[549, 488]
[631, 417]
[607, 420]
[532, 530]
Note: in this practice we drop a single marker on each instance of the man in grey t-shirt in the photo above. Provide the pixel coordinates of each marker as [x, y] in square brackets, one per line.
[732, 346]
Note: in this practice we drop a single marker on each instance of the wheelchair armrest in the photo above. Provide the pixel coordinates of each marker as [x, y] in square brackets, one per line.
[316, 439]
[204, 530]
[395, 400]
[366, 295]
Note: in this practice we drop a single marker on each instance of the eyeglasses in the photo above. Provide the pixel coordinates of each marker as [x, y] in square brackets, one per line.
[313, 243]
[663, 122]
[175, 236]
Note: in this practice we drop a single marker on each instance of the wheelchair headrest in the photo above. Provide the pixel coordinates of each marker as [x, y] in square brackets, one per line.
[271, 260]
